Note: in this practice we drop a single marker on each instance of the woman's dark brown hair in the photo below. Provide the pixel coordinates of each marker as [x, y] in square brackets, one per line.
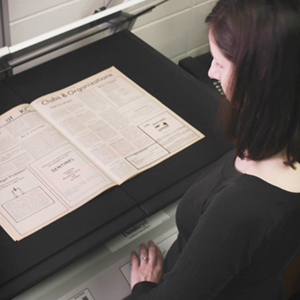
[262, 40]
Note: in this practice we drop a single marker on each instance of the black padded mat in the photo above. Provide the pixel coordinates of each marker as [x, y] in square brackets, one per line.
[8, 98]
[25, 263]
[174, 87]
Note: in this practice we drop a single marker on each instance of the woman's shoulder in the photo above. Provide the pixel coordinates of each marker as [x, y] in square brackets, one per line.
[272, 171]
[250, 197]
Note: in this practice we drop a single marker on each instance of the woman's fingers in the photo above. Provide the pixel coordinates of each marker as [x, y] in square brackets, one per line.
[143, 254]
[153, 254]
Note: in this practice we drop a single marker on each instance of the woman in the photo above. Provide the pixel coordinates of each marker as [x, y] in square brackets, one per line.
[239, 224]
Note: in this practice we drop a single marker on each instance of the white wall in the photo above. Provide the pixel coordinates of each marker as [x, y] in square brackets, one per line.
[176, 28]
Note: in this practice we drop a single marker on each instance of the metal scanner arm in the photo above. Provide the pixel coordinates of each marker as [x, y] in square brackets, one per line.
[114, 21]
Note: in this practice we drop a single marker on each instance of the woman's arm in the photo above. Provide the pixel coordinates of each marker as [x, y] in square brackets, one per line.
[222, 243]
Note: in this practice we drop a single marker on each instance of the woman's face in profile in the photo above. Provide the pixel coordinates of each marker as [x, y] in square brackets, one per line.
[221, 68]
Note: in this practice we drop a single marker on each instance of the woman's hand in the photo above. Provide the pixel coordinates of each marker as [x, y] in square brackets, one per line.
[147, 267]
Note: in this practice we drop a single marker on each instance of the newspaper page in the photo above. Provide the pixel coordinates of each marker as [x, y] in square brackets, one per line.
[42, 176]
[118, 125]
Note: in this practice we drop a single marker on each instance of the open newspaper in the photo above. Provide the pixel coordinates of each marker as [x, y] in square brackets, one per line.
[65, 148]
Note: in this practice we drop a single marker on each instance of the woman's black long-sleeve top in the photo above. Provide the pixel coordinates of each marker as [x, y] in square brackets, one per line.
[236, 235]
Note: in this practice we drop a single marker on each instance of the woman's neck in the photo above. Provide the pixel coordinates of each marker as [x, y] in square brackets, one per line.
[272, 170]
